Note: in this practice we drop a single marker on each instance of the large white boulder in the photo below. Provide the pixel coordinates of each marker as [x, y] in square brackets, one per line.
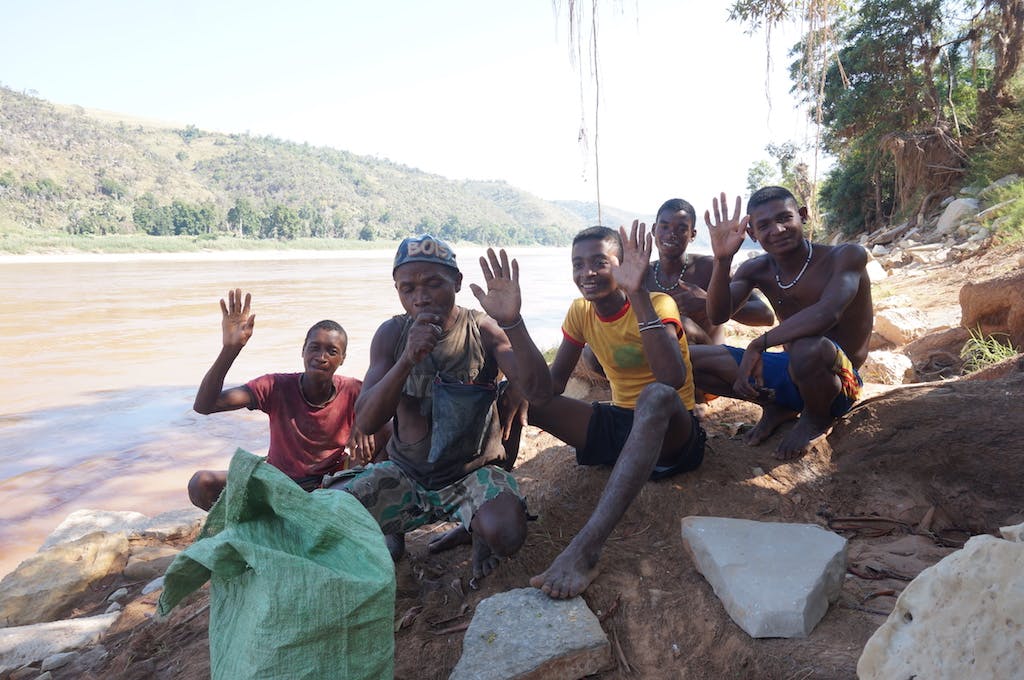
[47, 585]
[961, 618]
[774, 579]
[956, 212]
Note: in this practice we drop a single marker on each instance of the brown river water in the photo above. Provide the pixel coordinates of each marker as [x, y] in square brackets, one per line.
[100, 357]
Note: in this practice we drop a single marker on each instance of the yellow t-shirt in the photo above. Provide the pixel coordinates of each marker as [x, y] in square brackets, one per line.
[616, 343]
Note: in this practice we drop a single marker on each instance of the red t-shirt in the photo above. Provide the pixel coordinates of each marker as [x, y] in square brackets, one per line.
[306, 441]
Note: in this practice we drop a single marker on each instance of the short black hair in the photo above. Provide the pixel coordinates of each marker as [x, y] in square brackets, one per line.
[768, 194]
[327, 325]
[675, 205]
[599, 233]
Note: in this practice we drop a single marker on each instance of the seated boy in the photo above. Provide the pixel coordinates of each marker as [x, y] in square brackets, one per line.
[312, 414]
[648, 431]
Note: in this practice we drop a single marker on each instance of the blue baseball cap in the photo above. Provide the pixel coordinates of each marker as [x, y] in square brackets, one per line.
[424, 248]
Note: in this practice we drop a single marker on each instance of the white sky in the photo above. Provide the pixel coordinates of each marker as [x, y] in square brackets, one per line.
[471, 89]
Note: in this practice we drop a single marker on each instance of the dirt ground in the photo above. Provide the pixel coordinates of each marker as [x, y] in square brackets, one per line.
[907, 476]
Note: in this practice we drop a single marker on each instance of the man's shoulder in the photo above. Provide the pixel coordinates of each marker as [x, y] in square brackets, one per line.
[851, 254]
[343, 381]
[275, 379]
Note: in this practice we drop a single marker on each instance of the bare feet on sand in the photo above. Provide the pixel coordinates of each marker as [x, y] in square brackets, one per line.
[771, 417]
[568, 576]
[801, 438]
[449, 539]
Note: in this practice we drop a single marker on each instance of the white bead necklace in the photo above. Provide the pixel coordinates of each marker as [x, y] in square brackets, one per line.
[663, 289]
[778, 281]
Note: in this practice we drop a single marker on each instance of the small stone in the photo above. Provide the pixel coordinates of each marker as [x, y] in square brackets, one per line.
[24, 673]
[45, 676]
[59, 660]
[117, 595]
[900, 326]
[114, 607]
[524, 633]
[149, 562]
[887, 368]
[155, 584]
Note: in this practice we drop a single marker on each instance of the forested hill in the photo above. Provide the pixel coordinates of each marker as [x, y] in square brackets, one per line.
[64, 169]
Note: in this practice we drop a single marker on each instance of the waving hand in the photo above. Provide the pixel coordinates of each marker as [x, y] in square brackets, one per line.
[727, 233]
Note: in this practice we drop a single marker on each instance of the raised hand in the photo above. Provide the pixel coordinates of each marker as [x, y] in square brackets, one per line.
[727, 233]
[503, 299]
[631, 273]
[236, 322]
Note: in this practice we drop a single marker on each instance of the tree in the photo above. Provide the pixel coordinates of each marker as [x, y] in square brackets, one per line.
[243, 219]
[904, 92]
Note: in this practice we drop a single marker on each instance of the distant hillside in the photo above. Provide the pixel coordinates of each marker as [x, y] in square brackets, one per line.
[64, 169]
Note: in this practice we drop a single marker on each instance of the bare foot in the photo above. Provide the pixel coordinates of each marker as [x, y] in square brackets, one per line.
[484, 561]
[568, 576]
[800, 439]
[449, 539]
[396, 545]
[771, 417]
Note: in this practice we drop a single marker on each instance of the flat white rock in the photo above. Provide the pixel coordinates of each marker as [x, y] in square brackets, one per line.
[525, 634]
[960, 618]
[20, 645]
[774, 579]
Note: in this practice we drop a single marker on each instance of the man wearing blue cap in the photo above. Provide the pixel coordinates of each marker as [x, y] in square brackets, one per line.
[433, 373]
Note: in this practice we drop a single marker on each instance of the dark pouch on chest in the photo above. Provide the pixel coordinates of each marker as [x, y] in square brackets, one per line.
[461, 416]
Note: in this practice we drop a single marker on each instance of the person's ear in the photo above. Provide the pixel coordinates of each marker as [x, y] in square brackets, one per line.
[803, 214]
[458, 281]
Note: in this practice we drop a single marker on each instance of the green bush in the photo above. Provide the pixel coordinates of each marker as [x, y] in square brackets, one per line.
[1005, 219]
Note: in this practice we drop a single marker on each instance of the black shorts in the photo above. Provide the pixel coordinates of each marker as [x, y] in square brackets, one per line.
[610, 426]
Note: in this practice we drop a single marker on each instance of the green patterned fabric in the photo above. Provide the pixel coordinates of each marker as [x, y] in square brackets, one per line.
[301, 584]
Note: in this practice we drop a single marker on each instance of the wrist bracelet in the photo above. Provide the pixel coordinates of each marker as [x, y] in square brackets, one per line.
[648, 325]
[512, 325]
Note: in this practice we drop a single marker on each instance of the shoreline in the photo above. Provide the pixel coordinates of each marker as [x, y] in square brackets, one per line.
[194, 255]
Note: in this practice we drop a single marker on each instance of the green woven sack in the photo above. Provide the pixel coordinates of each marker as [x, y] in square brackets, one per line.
[301, 584]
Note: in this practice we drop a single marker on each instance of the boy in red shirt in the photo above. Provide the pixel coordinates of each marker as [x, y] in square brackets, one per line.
[312, 414]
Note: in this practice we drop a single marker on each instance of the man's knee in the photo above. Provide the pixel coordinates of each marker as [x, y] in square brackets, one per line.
[501, 523]
[204, 487]
[808, 356]
[656, 400]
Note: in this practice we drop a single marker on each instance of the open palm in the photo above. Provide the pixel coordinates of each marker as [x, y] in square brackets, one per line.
[727, 233]
[236, 322]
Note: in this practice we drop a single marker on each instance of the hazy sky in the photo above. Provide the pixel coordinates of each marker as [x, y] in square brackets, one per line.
[466, 89]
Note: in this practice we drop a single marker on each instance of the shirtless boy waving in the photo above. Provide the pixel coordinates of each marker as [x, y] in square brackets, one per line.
[822, 297]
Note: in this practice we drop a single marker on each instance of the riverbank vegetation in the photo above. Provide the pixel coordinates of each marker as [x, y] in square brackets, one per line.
[76, 179]
[915, 99]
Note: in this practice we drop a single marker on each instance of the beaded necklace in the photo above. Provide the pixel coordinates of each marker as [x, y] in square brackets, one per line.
[657, 269]
[778, 280]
